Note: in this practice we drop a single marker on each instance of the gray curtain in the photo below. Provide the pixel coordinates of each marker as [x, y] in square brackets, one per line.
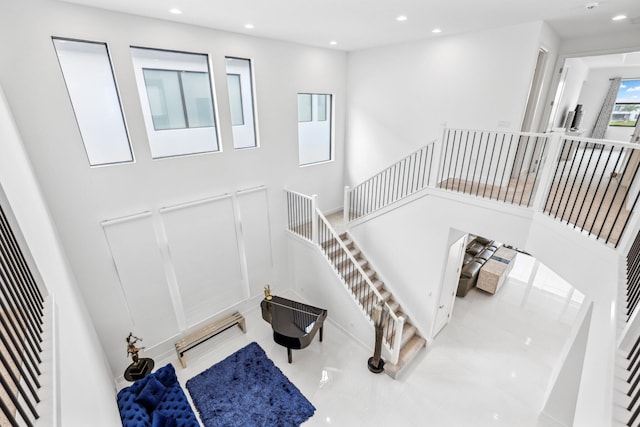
[604, 116]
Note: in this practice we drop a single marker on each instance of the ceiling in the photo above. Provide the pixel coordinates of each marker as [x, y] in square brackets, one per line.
[620, 60]
[361, 24]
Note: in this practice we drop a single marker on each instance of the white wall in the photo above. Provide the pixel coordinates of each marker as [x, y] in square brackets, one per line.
[550, 42]
[576, 74]
[593, 94]
[81, 361]
[400, 96]
[408, 246]
[80, 197]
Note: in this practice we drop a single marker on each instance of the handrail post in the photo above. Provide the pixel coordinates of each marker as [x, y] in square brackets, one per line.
[438, 155]
[550, 160]
[345, 209]
[314, 219]
[397, 339]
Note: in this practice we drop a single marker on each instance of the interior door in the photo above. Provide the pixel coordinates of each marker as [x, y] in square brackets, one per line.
[449, 285]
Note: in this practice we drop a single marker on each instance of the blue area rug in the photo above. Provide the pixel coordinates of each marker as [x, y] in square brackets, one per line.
[246, 389]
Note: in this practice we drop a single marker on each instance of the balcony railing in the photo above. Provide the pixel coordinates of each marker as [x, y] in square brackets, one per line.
[633, 277]
[591, 185]
[501, 166]
[21, 317]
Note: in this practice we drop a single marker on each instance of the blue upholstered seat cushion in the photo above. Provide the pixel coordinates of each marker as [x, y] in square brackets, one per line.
[173, 404]
[161, 420]
[151, 394]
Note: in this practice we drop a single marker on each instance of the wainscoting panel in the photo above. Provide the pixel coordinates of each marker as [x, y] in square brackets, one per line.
[256, 236]
[204, 251]
[139, 264]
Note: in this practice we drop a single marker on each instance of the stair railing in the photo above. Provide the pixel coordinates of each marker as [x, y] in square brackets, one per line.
[301, 215]
[306, 221]
[404, 178]
[359, 284]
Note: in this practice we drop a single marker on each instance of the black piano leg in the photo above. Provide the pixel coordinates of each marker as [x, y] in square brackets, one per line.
[321, 327]
[289, 354]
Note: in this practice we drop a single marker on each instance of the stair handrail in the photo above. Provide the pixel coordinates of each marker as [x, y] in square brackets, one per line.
[398, 321]
[428, 150]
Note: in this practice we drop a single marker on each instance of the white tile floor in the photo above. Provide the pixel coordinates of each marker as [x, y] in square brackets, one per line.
[490, 366]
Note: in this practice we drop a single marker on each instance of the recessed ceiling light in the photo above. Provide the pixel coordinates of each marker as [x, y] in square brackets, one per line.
[619, 17]
[401, 18]
[333, 42]
[175, 11]
[249, 26]
[436, 30]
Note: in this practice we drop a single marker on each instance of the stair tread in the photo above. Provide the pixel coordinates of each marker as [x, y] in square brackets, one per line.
[407, 333]
[407, 354]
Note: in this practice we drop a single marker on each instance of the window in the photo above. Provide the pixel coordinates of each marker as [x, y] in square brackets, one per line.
[177, 101]
[88, 75]
[322, 107]
[627, 107]
[240, 87]
[304, 107]
[235, 99]
[314, 128]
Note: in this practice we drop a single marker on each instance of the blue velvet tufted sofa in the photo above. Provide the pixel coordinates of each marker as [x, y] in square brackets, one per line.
[156, 400]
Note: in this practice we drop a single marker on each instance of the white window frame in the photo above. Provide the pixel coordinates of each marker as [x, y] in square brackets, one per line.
[249, 130]
[168, 143]
[310, 132]
[97, 106]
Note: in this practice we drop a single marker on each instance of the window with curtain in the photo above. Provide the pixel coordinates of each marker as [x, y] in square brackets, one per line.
[627, 107]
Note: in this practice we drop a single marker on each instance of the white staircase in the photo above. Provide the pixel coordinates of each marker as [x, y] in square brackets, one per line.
[411, 341]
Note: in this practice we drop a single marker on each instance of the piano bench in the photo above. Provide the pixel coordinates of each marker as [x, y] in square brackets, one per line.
[209, 331]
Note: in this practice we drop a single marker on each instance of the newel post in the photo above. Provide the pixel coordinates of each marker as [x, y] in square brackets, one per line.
[397, 339]
[550, 160]
[345, 209]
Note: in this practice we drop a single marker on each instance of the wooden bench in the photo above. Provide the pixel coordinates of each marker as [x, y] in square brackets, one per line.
[198, 337]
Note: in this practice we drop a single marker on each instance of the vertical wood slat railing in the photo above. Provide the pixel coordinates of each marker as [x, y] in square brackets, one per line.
[307, 222]
[21, 317]
[501, 166]
[593, 186]
[633, 277]
[404, 178]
